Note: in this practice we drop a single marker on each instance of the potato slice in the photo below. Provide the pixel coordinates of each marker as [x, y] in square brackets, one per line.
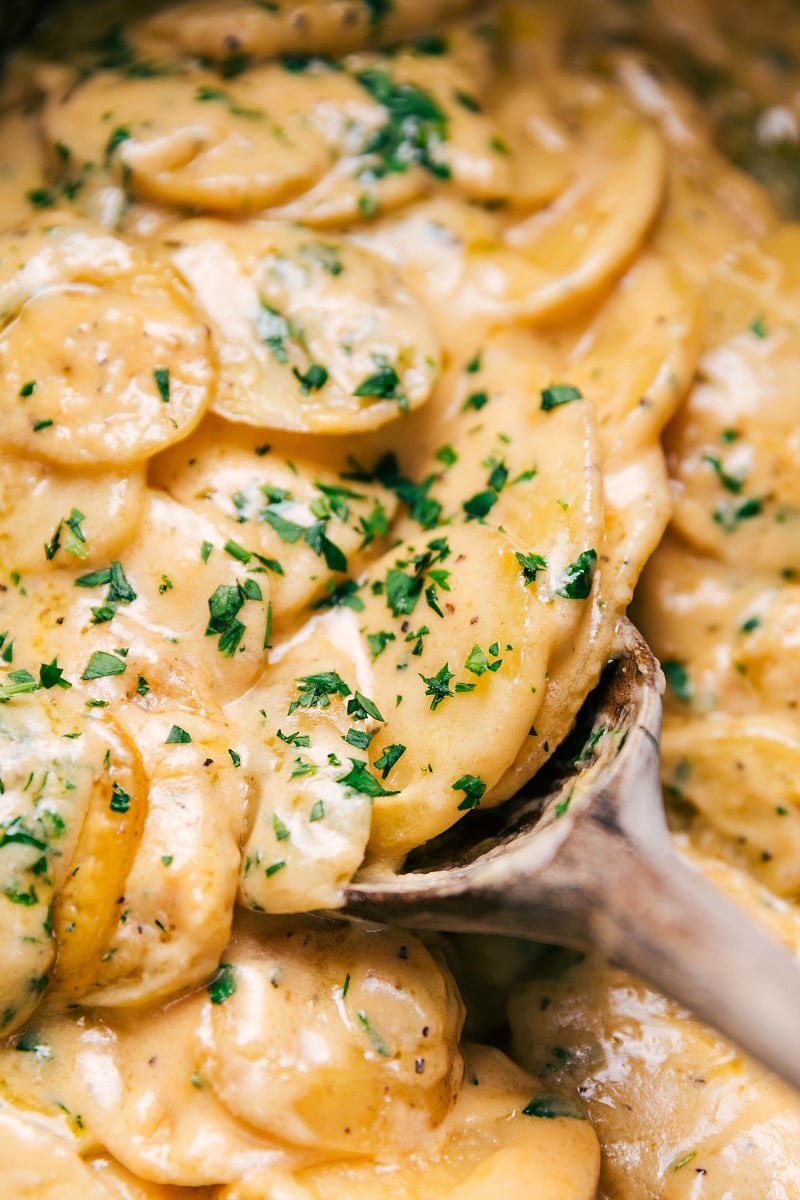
[307, 833]
[22, 168]
[634, 393]
[196, 1095]
[176, 914]
[318, 336]
[432, 122]
[201, 615]
[734, 448]
[225, 146]
[309, 524]
[87, 907]
[52, 515]
[740, 775]
[53, 775]
[40, 1160]
[487, 1143]
[154, 627]
[298, 27]
[153, 1111]
[381, 1013]
[370, 706]
[146, 380]
[547, 265]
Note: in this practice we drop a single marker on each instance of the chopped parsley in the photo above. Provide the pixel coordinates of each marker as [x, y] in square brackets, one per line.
[729, 516]
[279, 829]
[438, 685]
[678, 679]
[312, 379]
[473, 788]
[415, 130]
[118, 135]
[576, 580]
[224, 606]
[732, 483]
[316, 690]
[531, 565]
[378, 1044]
[162, 381]
[551, 1105]
[388, 757]
[476, 400]
[315, 536]
[120, 801]
[384, 384]
[68, 536]
[479, 506]
[360, 779]
[558, 394]
[102, 664]
[177, 737]
[51, 675]
[223, 985]
[479, 662]
[378, 642]
[21, 682]
[273, 329]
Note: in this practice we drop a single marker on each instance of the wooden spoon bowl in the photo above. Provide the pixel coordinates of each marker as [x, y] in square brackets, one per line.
[582, 857]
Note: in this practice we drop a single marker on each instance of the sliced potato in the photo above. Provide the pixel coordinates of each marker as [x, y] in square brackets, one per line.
[487, 1143]
[201, 617]
[87, 907]
[544, 266]
[154, 1112]
[52, 515]
[227, 1099]
[148, 377]
[293, 27]
[734, 447]
[339, 1018]
[369, 706]
[176, 610]
[311, 525]
[22, 168]
[312, 335]
[741, 776]
[53, 775]
[192, 141]
[176, 914]
[40, 1160]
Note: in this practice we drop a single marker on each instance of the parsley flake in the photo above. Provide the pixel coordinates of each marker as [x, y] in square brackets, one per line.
[438, 686]
[576, 580]
[558, 394]
[102, 664]
[223, 985]
[360, 779]
[161, 377]
[473, 788]
[177, 736]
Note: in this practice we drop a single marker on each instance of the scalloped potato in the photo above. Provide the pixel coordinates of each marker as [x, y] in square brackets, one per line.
[363, 363]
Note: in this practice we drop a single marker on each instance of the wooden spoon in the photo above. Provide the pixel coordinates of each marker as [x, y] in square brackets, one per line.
[583, 858]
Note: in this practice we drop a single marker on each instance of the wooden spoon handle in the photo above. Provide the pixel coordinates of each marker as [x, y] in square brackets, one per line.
[656, 916]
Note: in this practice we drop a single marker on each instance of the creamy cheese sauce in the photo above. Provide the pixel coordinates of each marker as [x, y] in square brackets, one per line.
[362, 362]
